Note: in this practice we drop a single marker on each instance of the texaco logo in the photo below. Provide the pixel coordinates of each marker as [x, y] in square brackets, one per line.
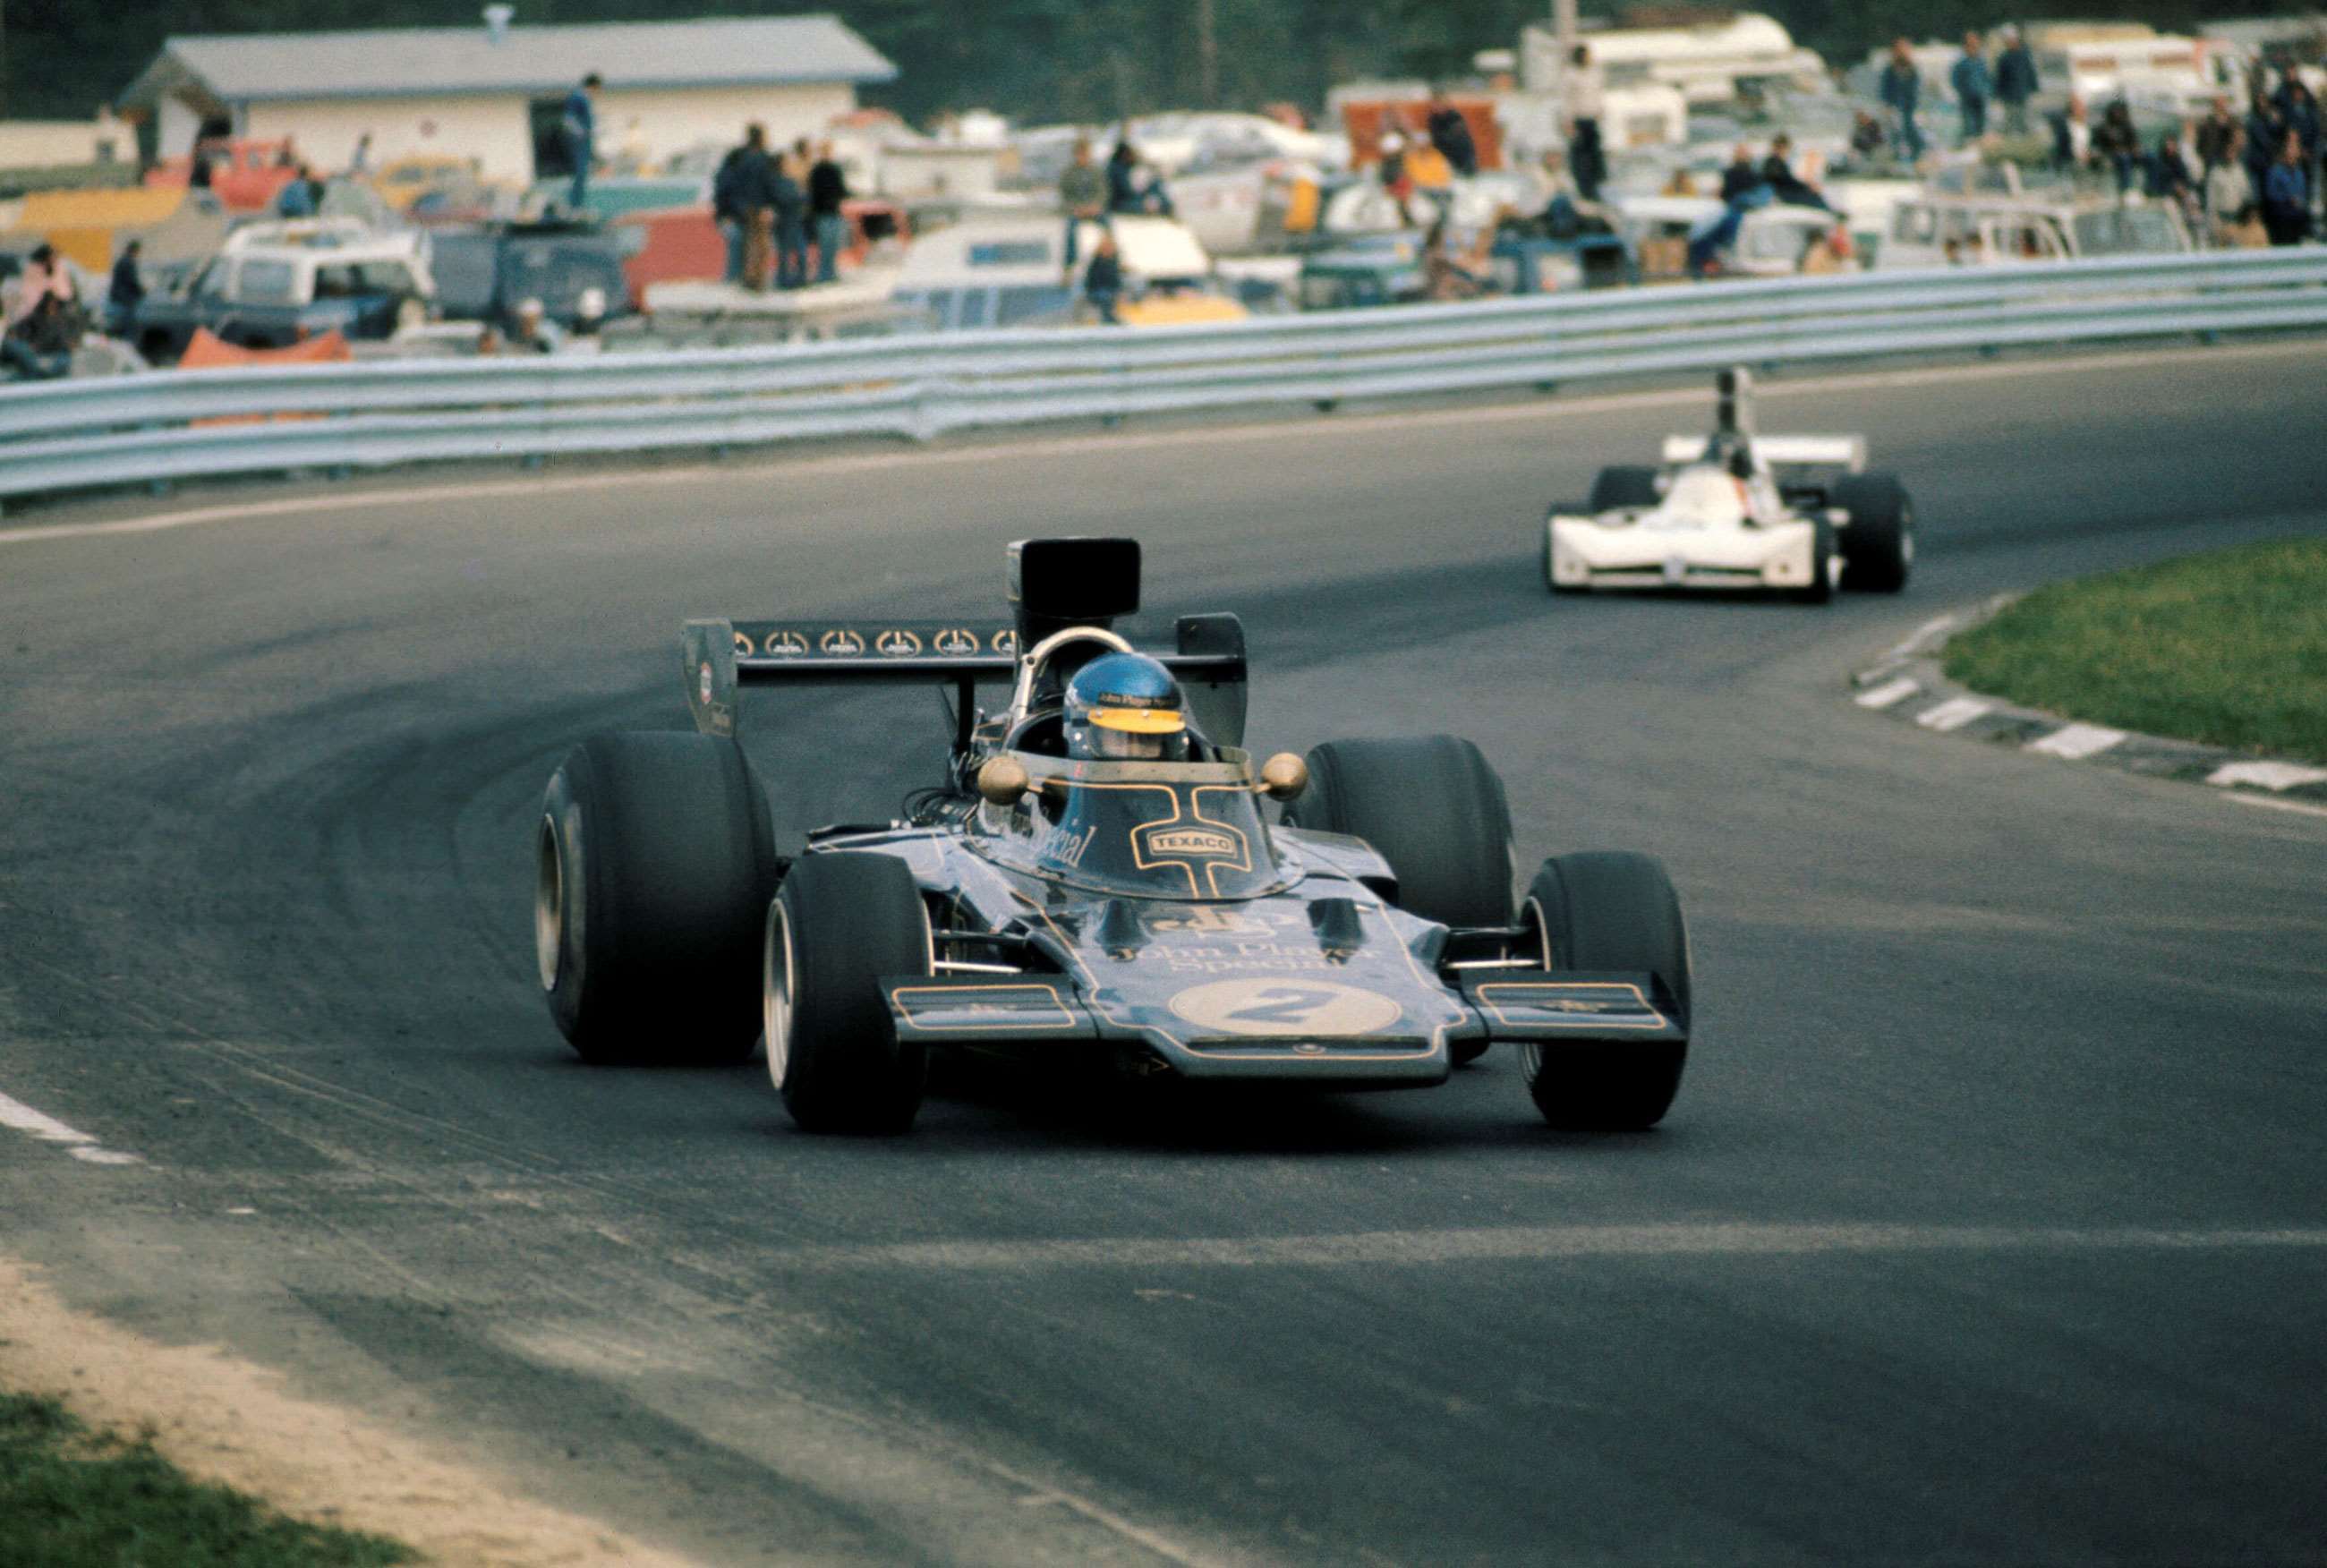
[1278, 1007]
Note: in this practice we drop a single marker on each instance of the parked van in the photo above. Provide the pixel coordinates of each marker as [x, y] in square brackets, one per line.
[1010, 272]
[1975, 228]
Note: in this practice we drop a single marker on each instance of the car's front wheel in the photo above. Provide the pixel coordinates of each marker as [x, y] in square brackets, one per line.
[841, 922]
[654, 858]
[1879, 546]
[1609, 911]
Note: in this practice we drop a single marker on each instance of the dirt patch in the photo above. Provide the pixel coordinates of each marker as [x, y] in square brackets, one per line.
[227, 1420]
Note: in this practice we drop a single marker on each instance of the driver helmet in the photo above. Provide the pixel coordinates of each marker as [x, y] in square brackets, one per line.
[1125, 707]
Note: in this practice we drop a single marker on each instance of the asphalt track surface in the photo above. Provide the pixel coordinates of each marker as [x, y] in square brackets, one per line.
[1991, 1225]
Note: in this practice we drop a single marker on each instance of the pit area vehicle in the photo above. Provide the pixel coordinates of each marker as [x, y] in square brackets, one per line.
[1141, 917]
[305, 279]
[1800, 515]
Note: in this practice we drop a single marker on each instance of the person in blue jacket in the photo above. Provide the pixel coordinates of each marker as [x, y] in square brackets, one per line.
[1902, 91]
[2015, 80]
[1973, 87]
[579, 129]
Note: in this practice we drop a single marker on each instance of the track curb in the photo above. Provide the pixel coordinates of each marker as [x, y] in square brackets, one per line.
[1908, 684]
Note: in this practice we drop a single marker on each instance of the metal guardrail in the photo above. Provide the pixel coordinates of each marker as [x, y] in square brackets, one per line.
[175, 425]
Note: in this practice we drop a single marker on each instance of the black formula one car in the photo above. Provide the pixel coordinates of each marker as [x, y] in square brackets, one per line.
[1141, 913]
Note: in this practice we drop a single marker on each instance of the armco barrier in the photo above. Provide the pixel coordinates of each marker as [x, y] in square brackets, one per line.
[174, 424]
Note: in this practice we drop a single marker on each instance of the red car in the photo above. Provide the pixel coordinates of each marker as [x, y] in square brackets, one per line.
[247, 175]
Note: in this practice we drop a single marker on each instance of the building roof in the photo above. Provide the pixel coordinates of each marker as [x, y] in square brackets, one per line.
[413, 61]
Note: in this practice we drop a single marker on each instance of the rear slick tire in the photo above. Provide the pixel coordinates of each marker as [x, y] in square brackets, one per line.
[654, 859]
[1601, 912]
[840, 922]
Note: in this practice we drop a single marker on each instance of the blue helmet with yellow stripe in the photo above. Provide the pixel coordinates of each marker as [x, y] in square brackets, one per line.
[1125, 705]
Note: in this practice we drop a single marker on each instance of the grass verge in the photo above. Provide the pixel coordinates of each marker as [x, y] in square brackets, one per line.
[73, 1498]
[2228, 647]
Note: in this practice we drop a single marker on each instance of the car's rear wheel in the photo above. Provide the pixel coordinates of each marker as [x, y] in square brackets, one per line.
[654, 859]
[1434, 809]
[1826, 571]
[1625, 485]
[838, 924]
[1609, 911]
[1879, 546]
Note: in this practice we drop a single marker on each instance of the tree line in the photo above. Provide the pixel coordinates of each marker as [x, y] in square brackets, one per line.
[1035, 60]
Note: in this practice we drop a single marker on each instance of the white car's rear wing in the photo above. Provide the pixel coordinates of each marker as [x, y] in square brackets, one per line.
[1847, 453]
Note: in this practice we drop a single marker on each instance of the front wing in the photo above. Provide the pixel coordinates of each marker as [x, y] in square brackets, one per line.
[1588, 553]
[1555, 1011]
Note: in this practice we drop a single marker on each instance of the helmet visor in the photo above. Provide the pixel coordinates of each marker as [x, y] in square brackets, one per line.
[1140, 720]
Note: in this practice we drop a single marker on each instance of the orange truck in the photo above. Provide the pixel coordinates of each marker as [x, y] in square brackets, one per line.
[247, 175]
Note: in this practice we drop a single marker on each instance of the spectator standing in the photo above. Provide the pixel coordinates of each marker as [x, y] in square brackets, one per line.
[2300, 109]
[198, 176]
[827, 188]
[359, 160]
[1083, 198]
[2072, 136]
[1123, 191]
[2015, 80]
[2169, 177]
[1902, 91]
[1973, 87]
[2286, 194]
[728, 209]
[1586, 102]
[755, 198]
[1450, 133]
[579, 129]
[1103, 279]
[2215, 135]
[124, 292]
[2230, 193]
[2117, 144]
[2264, 130]
[1392, 173]
[790, 193]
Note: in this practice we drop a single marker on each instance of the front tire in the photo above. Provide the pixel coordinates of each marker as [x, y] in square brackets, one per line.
[1625, 485]
[1434, 809]
[654, 857]
[1601, 912]
[840, 922]
[1879, 546]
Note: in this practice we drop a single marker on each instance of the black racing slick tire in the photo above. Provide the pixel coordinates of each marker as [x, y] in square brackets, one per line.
[654, 859]
[1819, 589]
[1878, 547]
[1625, 485]
[839, 923]
[1434, 809]
[1601, 912]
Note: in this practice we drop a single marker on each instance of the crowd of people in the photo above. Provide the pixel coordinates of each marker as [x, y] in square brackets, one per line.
[773, 204]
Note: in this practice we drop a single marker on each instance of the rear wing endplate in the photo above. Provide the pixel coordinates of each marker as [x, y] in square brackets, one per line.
[720, 657]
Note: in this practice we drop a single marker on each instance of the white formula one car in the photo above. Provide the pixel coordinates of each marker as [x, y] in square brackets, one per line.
[1797, 514]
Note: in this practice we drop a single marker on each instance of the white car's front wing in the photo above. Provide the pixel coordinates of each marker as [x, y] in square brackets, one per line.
[1586, 553]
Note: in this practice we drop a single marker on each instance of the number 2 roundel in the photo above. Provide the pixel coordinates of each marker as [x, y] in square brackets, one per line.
[1311, 1008]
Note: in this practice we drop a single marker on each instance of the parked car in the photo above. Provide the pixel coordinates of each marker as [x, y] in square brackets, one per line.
[273, 293]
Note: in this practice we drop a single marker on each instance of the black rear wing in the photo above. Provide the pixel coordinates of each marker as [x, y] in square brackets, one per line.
[723, 656]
